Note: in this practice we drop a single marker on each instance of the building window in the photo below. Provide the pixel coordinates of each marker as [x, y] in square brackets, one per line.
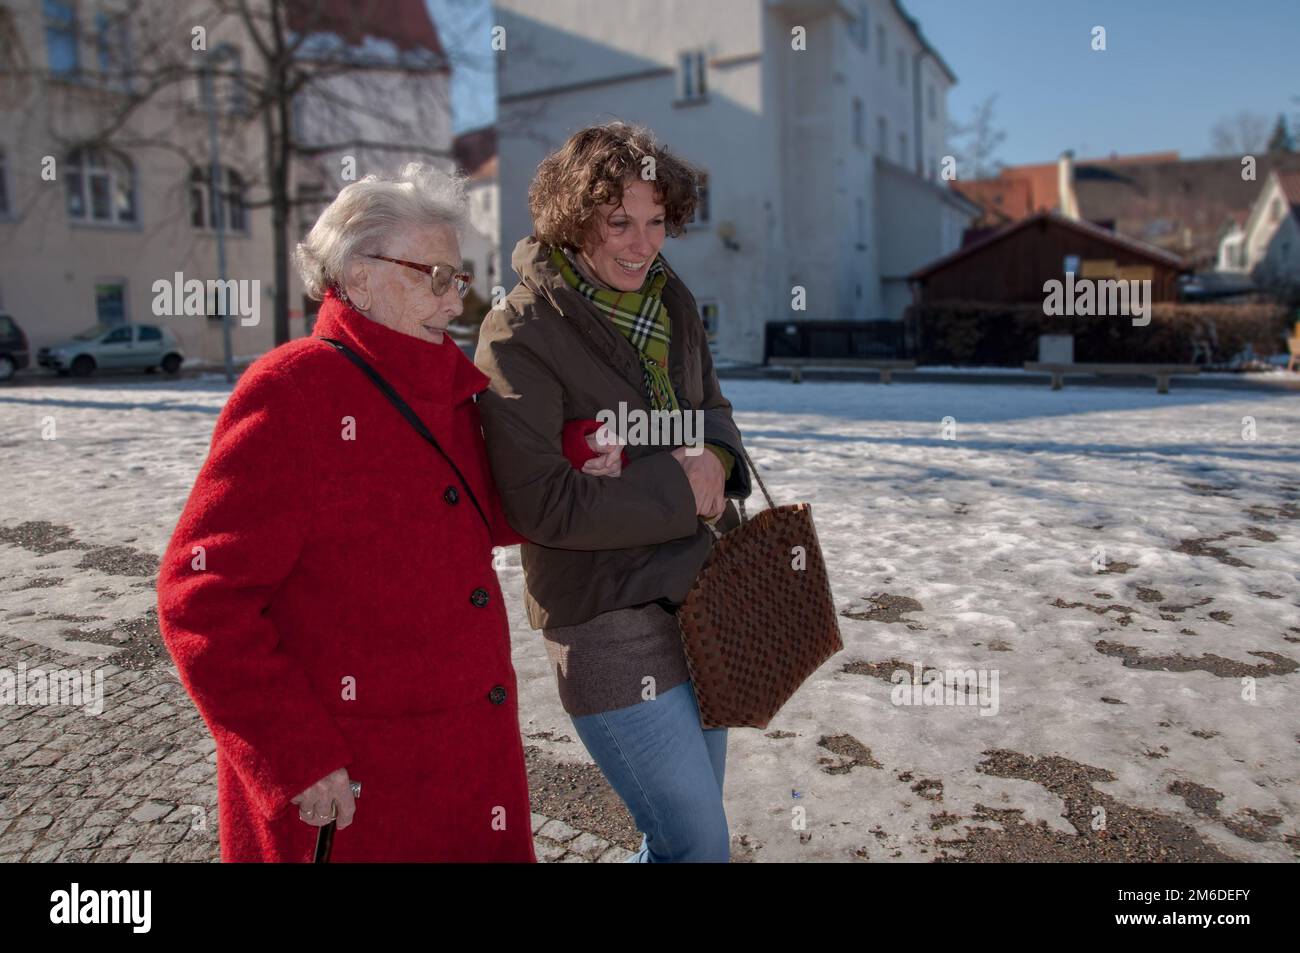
[691, 72]
[902, 70]
[226, 208]
[710, 315]
[229, 87]
[101, 187]
[234, 95]
[61, 37]
[10, 53]
[110, 308]
[880, 45]
[111, 47]
[859, 123]
[702, 210]
[930, 102]
[5, 207]
[858, 25]
[882, 132]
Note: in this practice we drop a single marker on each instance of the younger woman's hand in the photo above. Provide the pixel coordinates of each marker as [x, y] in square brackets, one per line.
[707, 479]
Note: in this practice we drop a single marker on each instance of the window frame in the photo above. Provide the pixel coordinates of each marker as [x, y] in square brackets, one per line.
[226, 205]
[83, 168]
[702, 220]
[64, 23]
[113, 49]
[692, 76]
[859, 27]
[6, 200]
[711, 336]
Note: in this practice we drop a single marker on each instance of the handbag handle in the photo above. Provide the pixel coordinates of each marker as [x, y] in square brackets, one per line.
[740, 504]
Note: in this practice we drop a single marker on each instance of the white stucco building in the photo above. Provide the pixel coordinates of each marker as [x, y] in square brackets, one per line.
[820, 125]
[1267, 245]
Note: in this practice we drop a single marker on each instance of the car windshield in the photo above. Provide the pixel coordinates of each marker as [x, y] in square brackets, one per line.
[90, 333]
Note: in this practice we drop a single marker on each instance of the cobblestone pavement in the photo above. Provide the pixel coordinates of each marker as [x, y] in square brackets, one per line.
[137, 781]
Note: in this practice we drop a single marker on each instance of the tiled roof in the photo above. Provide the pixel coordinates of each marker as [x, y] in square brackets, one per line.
[1021, 190]
[1290, 182]
[1150, 252]
[475, 152]
[1179, 206]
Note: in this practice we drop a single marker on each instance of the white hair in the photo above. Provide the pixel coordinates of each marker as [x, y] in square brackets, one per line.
[366, 212]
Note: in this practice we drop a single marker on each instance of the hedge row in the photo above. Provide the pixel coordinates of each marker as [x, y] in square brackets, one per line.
[995, 334]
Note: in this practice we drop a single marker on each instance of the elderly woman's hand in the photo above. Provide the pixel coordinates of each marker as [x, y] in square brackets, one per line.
[610, 461]
[315, 805]
[707, 481]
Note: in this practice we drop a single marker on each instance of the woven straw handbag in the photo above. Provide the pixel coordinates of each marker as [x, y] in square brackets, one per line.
[754, 625]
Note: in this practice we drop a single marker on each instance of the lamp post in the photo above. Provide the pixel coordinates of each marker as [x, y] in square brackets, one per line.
[218, 213]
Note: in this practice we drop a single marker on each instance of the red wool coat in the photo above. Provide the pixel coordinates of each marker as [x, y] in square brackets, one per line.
[343, 610]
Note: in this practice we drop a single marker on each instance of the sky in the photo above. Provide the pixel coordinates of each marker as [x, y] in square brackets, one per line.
[465, 28]
[1171, 68]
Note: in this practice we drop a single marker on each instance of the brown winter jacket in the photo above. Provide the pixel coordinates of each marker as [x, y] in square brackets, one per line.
[598, 543]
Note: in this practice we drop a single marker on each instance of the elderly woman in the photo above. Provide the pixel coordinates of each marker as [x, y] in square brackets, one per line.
[329, 595]
[599, 319]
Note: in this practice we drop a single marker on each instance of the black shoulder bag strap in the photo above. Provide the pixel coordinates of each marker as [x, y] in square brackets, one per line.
[412, 418]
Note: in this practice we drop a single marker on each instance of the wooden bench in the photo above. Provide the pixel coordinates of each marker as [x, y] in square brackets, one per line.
[1161, 372]
[797, 364]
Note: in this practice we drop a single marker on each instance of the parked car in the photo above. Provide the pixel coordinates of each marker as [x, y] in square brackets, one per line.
[135, 346]
[13, 347]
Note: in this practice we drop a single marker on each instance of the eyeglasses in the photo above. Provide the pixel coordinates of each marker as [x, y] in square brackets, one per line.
[441, 275]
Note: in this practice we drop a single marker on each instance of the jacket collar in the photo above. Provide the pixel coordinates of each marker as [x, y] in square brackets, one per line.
[440, 372]
[531, 261]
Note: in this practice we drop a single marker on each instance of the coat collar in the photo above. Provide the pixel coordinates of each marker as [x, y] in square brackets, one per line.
[531, 261]
[440, 372]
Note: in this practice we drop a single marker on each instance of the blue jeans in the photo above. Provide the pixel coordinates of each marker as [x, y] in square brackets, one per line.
[668, 771]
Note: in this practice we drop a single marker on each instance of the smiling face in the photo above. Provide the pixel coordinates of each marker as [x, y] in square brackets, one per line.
[628, 236]
[401, 298]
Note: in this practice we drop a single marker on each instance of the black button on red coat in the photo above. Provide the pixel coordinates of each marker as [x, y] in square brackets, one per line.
[498, 695]
[451, 495]
[479, 597]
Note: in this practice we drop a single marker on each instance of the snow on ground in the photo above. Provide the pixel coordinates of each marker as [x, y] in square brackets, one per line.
[1173, 669]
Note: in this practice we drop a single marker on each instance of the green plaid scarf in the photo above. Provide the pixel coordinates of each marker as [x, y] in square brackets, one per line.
[640, 316]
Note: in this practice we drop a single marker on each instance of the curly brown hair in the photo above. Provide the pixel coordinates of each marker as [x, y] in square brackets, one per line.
[591, 169]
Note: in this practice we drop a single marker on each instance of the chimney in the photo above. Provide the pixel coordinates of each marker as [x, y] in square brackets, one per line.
[1068, 203]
